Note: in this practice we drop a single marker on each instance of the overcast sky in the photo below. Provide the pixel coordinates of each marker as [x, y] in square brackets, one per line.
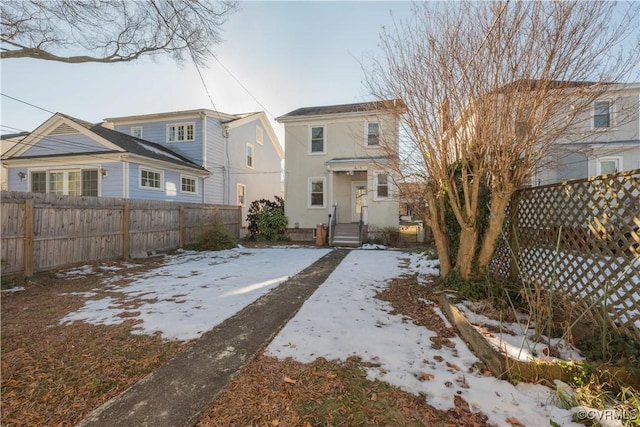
[287, 54]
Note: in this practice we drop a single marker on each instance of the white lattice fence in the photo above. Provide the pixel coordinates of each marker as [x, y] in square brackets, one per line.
[581, 238]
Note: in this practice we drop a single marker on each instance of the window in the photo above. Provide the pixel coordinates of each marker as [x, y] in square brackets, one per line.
[250, 156]
[316, 143]
[66, 182]
[56, 182]
[259, 135]
[38, 182]
[74, 186]
[382, 186]
[90, 183]
[188, 184]
[180, 132]
[241, 194]
[136, 131]
[373, 133]
[609, 165]
[316, 192]
[150, 179]
[601, 114]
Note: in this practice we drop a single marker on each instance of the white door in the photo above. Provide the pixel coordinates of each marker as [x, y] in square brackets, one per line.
[358, 199]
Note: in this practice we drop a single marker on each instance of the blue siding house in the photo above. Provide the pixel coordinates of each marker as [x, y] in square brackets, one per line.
[197, 156]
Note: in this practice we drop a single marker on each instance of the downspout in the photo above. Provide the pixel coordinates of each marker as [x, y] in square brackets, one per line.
[226, 167]
[203, 116]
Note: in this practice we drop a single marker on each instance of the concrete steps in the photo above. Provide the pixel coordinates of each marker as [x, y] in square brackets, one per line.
[347, 235]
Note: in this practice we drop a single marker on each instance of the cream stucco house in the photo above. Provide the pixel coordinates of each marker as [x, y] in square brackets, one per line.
[337, 169]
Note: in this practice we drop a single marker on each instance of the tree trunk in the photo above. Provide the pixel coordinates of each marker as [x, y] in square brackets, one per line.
[440, 235]
[494, 228]
[466, 251]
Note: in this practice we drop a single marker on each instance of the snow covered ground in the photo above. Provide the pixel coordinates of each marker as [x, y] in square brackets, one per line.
[343, 319]
[194, 291]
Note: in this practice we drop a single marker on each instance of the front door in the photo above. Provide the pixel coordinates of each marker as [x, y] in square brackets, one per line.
[359, 199]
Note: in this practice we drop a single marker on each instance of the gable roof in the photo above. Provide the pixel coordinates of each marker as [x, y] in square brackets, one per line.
[114, 142]
[262, 117]
[362, 107]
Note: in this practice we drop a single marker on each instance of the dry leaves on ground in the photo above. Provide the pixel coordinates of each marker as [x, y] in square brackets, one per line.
[56, 375]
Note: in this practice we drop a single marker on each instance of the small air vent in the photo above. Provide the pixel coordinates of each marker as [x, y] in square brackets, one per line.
[63, 129]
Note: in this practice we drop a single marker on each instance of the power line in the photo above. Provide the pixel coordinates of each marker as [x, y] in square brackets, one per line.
[27, 103]
[243, 87]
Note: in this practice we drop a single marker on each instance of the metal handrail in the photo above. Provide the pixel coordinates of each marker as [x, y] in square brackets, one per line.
[333, 219]
[363, 220]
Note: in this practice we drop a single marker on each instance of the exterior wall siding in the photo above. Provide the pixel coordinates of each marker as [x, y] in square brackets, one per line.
[170, 190]
[214, 186]
[61, 144]
[263, 180]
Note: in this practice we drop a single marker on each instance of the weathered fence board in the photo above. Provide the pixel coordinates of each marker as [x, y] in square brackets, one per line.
[579, 238]
[45, 231]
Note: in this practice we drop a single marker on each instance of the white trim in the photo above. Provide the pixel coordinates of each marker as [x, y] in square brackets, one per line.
[204, 141]
[324, 140]
[259, 135]
[125, 180]
[176, 125]
[324, 192]
[617, 159]
[366, 133]
[137, 128]
[64, 169]
[173, 115]
[195, 184]
[253, 156]
[148, 169]
[244, 194]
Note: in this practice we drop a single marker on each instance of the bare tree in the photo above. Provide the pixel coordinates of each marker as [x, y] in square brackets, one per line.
[489, 88]
[111, 31]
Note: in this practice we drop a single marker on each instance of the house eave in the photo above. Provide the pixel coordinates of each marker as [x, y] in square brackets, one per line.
[176, 115]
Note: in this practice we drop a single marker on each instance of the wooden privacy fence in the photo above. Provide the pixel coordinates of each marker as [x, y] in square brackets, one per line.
[582, 239]
[46, 231]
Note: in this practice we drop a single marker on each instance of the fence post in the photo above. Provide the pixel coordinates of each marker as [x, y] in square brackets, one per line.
[28, 237]
[125, 230]
[512, 241]
[181, 227]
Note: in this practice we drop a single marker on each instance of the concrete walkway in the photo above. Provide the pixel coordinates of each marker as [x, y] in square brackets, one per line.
[178, 392]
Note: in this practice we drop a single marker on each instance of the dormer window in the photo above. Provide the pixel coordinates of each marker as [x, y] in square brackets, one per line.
[136, 131]
[373, 134]
[601, 114]
[181, 132]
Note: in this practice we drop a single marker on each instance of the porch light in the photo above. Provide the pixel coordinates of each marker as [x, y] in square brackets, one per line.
[22, 175]
[104, 172]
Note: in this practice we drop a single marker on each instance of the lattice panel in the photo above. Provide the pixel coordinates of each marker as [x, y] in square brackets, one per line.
[582, 238]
